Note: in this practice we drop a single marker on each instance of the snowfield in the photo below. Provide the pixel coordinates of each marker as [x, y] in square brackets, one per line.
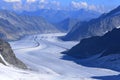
[41, 53]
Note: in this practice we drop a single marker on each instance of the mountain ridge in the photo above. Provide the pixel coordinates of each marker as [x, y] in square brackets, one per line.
[55, 16]
[7, 56]
[13, 26]
[106, 45]
[94, 27]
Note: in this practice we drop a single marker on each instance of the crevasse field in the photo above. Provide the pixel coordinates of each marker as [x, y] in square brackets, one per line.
[42, 55]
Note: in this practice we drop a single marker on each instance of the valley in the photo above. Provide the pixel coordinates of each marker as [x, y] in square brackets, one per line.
[42, 54]
[59, 40]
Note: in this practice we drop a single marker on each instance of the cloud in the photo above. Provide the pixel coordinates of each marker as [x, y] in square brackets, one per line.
[46, 4]
[30, 1]
[92, 7]
[42, 4]
[17, 6]
[79, 5]
[55, 3]
[84, 5]
[12, 0]
[42, 1]
[32, 5]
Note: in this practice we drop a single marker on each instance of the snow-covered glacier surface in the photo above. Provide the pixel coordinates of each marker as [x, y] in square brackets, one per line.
[41, 53]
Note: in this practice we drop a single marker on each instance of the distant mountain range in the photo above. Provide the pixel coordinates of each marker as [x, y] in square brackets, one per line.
[13, 26]
[95, 27]
[106, 45]
[55, 16]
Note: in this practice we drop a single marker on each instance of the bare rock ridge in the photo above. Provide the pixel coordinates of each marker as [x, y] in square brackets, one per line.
[95, 27]
[106, 45]
[13, 26]
[7, 56]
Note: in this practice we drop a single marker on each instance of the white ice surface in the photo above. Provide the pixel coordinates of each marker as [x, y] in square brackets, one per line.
[41, 53]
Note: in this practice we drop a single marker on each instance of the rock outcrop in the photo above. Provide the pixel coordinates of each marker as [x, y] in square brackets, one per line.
[7, 56]
[106, 45]
[95, 27]
[13, 26]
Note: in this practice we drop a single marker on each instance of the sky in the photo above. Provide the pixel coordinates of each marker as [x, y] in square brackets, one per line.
[32, 5]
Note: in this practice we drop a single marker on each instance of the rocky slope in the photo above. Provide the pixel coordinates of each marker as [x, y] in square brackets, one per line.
[95, 27]
[7, 56]
[66, 24]
[106, 45]
[13, 26]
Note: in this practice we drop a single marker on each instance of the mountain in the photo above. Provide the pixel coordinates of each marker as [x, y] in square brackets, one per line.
[66, 24]
[55, 16]
[106, 45]
[7, 57]
[95, 27]
[13, 26]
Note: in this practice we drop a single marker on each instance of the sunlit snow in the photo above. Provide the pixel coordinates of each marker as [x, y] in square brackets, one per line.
[41, 53]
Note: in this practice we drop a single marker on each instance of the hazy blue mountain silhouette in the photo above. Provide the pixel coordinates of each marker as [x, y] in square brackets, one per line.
[95, 27]
[55, 16]
[13, 26]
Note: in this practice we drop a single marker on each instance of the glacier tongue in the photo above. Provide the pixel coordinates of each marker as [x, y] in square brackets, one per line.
[46, 60]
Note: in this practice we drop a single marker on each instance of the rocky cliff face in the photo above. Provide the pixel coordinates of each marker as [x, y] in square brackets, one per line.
[7, 57]
[106, 45]
[13, 26]
[95, 27]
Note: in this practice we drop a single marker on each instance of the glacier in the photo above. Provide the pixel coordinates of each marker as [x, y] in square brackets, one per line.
[42, 54]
